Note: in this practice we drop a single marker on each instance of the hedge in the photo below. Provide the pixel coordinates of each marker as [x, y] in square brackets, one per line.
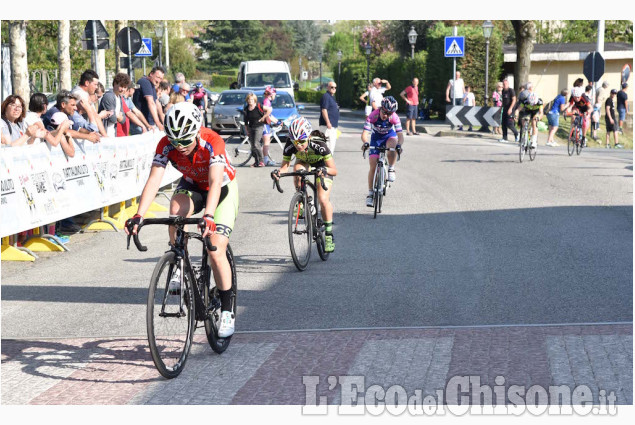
[310, 96]
[222, 80]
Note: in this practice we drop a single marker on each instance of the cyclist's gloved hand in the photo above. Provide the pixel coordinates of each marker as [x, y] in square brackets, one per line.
[321, 171]
[365, 146]
[132, 224]
[207, 225]
[399, 149]
[275, 174]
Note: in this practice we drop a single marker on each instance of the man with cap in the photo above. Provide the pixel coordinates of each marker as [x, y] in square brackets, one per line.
[67, 103]
[622, 105]
[610, 120]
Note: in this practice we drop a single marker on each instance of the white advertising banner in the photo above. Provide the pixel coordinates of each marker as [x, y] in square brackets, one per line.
[40, 185]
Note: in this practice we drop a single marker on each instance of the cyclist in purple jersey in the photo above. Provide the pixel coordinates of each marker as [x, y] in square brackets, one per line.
[384, 127]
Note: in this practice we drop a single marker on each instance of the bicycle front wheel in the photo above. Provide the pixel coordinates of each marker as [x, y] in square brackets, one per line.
[239, 150]
[578, 144]
[378, 190]
[169, 318]
[213, 307]
[523, 145]
[532, 151]
[300, 231]
[571, 143]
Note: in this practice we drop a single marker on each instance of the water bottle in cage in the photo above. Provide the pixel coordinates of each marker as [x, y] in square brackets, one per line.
[311, 205]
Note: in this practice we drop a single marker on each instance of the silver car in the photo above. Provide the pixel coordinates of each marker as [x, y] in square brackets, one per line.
[225, 113]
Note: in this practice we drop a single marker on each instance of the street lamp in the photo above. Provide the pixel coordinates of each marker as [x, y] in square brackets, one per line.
[158, 31]
[367, 47]
[339, 72]
[412, 38]
[487, 33]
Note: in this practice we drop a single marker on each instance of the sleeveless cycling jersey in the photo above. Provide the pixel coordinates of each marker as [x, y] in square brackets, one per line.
[375, 124]
[210, 152]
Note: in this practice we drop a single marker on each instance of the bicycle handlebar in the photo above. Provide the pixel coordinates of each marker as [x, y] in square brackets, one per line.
[382, 149]
[170, 221]
[300, 173]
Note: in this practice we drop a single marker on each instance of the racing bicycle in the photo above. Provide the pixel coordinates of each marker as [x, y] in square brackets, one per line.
[525, 141]
[172, 315]
[380, 179]
[240, 149]
[305, 218]
[575, 144]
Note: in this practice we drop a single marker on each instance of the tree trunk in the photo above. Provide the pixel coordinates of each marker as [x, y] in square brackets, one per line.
[525, 35]
[19, 65]
[64, 54]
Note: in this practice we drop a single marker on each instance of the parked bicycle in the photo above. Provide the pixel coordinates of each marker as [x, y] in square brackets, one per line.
[575, 143]
[525, 140]
[239, 145]
[380, 179]
[305, 219]
[172, 315]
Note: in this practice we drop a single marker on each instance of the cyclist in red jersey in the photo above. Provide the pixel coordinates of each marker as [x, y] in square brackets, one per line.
[208, 183]
[582, 104]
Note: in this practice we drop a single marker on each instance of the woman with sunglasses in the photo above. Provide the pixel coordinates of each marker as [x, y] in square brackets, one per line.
[384, 127]
[311, 151]
[208, 183]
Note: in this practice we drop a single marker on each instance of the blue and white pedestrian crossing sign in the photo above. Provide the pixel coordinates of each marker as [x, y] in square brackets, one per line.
[454, 47]
[146, 47]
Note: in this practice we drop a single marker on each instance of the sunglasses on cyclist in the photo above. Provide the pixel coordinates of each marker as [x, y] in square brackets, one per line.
[384, 112]
[300, 142]
[182, 143]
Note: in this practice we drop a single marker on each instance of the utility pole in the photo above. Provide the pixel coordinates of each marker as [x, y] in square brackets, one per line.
[167, 47]
[600, 49]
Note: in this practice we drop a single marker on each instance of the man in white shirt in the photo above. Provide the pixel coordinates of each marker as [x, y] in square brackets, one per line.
[456, 88]
[87, 86]
[377, 92]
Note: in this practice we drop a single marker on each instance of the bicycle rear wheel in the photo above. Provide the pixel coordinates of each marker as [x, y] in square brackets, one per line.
[300, 231]
[275, 150]
[169, 319]
[239, 150]
[213, 307]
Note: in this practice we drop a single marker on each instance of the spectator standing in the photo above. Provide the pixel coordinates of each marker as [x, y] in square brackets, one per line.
[601, 94]
[81, 129]
[497, 101]
[455, 90]
[507, 121]
[185, 91]
[329, 115]
[113, 101]
[376, 93]
[558, 105]
[595, 113]
[267, 106]
[179, 79]
[611, 119]
[199, 97]
[411, 95]
[145, 98]
[37, 107]
[253, 114]
[88, 84]
[138, 123]
[163, 94]
[364, 98]
[622, 106]
[468, 100]
[12, 125]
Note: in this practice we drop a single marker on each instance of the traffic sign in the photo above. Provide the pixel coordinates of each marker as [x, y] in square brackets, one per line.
[146, 48]
[135, 40]
[103, 38]
[454, 47]
[593, 67]
[124, 62]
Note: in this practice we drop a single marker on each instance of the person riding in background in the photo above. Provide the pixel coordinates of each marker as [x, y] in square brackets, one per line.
[582, 104]
[384, 127]
[530, 105]
[200, 100]
[208, 183]
[311, 151]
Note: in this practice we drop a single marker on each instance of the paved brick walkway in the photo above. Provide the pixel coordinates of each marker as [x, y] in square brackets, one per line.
[268, 368]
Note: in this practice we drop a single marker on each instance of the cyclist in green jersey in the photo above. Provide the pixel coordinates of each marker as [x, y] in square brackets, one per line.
[311, 151]
[530, 104]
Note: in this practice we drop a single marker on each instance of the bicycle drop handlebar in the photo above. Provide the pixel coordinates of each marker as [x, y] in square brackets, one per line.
[171, 221]
[300, 173]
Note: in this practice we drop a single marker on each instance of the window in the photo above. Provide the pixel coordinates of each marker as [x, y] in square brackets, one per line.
[276, 79]
[232, 99]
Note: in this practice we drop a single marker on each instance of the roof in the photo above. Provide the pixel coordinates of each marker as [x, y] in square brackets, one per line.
[570, 51]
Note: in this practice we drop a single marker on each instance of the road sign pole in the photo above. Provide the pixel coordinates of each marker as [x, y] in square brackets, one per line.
[94, 64]
[130, 69]
[454, 33]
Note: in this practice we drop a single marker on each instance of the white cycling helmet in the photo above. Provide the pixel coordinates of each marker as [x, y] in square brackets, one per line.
[300, 129]
[577, 91]
[183, 122]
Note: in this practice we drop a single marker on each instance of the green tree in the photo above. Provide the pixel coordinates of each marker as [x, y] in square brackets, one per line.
[182, 56]
[339, 41]
[306, 38]
[229, 42]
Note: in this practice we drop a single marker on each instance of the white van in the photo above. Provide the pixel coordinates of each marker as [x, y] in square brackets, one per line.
[265, 73]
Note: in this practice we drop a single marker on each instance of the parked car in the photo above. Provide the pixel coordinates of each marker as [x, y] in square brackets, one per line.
[226, 112]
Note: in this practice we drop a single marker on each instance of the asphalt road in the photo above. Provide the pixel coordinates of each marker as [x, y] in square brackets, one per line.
[468, 236]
